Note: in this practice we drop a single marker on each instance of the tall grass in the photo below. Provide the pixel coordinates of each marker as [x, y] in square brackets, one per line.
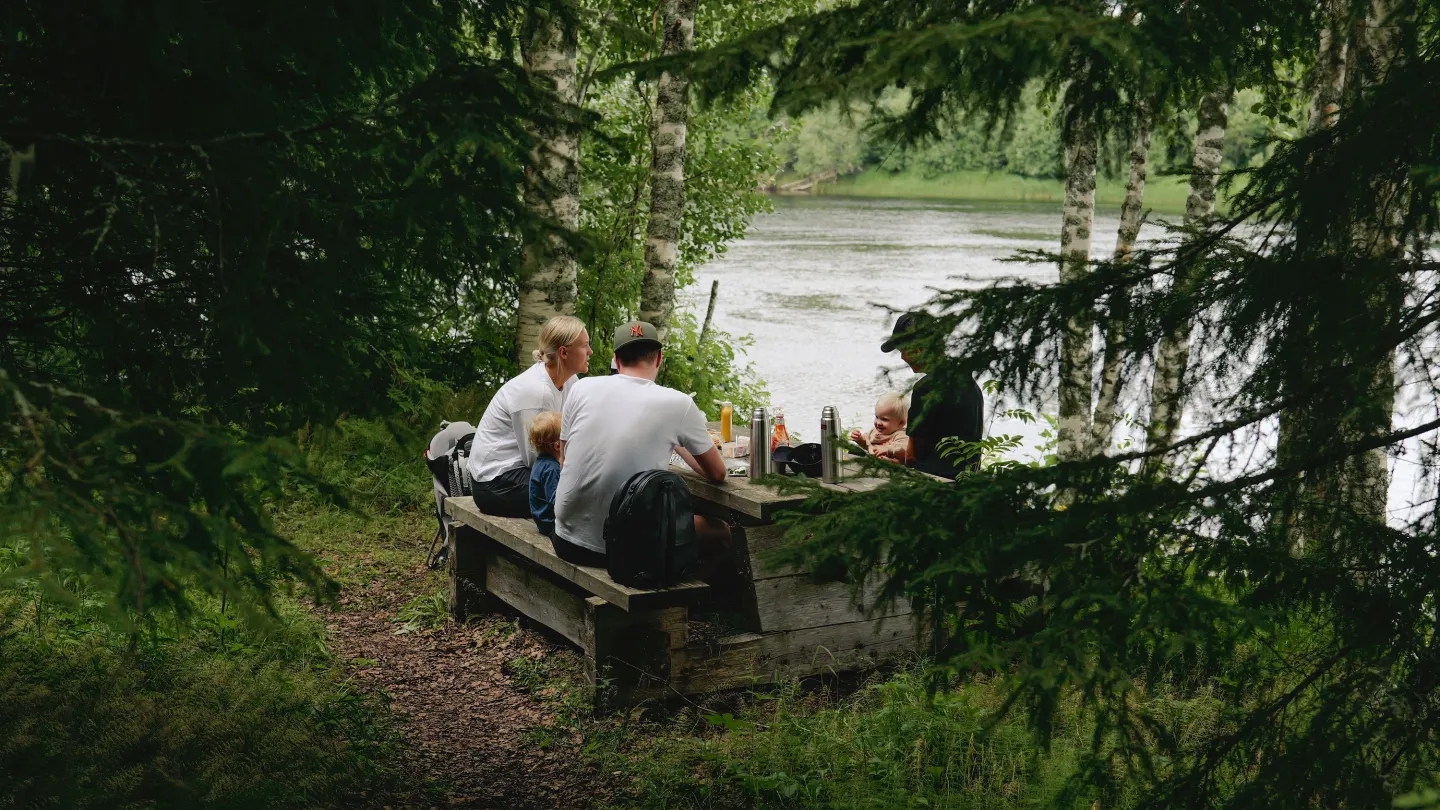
[888, 746]
[216, 709]
[214, 713]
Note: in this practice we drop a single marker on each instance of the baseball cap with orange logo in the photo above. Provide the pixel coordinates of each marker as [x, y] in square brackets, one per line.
[636, 332]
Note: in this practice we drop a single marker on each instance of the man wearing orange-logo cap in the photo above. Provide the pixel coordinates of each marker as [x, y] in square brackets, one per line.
[614, 427]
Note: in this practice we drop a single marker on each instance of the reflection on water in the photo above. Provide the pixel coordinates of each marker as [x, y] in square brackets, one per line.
[812, 280]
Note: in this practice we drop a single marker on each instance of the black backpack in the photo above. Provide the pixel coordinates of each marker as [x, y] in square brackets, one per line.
[650, 532]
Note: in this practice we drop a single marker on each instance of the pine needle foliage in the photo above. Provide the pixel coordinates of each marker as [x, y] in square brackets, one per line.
[219, 224]
[1324, 654]
[975, 59]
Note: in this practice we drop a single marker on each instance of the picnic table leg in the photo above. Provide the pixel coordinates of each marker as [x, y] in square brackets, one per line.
[630, 657]
[467, 572]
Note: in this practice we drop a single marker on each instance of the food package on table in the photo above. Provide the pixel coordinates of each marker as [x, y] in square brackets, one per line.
[740, 448]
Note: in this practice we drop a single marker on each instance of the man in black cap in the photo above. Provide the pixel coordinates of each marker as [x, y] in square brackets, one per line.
[936, 413]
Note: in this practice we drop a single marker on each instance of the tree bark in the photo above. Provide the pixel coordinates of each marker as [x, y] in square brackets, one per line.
[1077, 350]
[667, 174]
[1365, 49]
[552, 191]
[1131, 217]
[1329, 83]
[1366, 478]
[1172, 356]
[709, 315]
[1332, 61]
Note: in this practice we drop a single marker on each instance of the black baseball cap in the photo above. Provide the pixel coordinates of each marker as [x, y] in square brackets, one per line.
[636, 332]
[908, 327]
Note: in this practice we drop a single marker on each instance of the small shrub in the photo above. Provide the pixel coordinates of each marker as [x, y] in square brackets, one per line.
[425, 612]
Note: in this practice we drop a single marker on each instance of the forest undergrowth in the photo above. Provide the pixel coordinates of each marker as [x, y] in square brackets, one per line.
[378, 699]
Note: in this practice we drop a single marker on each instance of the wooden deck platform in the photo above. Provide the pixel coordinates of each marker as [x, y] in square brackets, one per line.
[647, 645]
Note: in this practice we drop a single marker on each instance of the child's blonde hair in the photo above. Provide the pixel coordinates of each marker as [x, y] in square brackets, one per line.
[545, 432]
[893, 404]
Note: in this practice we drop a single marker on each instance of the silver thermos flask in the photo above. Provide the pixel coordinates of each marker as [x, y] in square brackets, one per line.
[830, 445]
[761, 462]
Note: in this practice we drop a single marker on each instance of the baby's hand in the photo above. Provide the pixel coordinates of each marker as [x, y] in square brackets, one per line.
[858, 437]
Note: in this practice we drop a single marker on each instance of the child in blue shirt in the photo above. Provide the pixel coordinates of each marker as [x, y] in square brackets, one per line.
[545, 474]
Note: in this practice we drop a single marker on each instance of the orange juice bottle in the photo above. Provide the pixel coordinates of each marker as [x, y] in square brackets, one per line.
[727, 418]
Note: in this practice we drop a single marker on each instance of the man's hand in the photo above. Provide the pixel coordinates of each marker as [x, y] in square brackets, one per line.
[709, 465]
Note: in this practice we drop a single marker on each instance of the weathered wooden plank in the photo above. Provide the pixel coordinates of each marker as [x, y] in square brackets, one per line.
[754, 658]
[519, 535]
[524, 588]
[739, 494]
[466, 565]
[763, 502]
[797, 602]
[630, 656]
[861, 484]
[760, 541]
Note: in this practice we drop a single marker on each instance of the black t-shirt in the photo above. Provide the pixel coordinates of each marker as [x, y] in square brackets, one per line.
[937, 414]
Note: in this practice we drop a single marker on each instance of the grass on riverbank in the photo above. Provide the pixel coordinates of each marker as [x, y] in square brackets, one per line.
[1165, 195]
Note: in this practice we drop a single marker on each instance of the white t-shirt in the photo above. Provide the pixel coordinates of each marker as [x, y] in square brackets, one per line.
[502, 441]
[614, 427]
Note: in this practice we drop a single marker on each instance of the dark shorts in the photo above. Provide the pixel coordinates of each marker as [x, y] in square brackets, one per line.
[578, 555]
[505, 495]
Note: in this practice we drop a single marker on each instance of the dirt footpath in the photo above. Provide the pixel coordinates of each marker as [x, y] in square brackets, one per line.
[481, 705]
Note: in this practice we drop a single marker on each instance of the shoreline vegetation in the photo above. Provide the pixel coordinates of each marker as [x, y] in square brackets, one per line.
[1163, 195]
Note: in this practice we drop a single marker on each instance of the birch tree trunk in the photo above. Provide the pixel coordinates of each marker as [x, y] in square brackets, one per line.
[552, 191]
[1131, 210]
[667, 174]
[1077, 351]
[1360, 485]
[1329, 86]
[1327, 92]
[1366, 478]
[1172, 357]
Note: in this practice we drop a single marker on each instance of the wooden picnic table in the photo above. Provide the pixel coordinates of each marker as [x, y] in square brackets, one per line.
[757, 623]
[794, 625]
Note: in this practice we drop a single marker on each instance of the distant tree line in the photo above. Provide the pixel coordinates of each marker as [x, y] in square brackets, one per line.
[844, 140]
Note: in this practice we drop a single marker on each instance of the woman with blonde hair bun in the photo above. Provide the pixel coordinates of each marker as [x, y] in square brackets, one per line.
[501, 457]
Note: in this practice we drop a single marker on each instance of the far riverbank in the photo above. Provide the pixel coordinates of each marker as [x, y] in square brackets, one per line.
[1163, 195]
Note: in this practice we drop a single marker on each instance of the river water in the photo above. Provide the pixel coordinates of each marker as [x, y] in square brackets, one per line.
[810, 282]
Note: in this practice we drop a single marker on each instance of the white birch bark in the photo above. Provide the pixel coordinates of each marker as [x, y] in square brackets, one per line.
[1131, 216]
[1329, 81]
[552, 191]
[667, 174]
[1366, 478]
[1077, 351]
[1172, 356]
[1326, 95]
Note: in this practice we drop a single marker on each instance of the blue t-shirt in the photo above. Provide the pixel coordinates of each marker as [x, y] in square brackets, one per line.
[544, 478]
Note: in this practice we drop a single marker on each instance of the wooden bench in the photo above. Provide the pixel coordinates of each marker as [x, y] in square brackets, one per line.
[627, 634]
[649, 644]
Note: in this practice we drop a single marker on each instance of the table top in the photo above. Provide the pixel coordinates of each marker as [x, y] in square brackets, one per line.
[763, 501]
